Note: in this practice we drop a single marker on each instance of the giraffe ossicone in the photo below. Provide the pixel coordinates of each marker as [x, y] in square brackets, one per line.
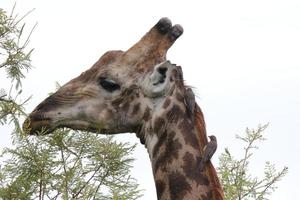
[139, 91]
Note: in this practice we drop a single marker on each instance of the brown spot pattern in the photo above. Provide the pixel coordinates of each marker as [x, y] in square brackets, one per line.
[161, 141]
[160, 188]
[178, 186]
[125, 106]
[172, 147]
[158, 124]
[179, 97]
[166, 103]
[208, 196]
[189, 135]
[146, 116]
[124, 99]
[135, 109]
[174, 114]
[191, 168]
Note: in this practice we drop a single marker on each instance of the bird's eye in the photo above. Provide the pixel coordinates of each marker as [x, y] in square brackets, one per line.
[108, 85]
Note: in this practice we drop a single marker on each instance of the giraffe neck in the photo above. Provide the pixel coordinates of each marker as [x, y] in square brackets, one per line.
[174, 149]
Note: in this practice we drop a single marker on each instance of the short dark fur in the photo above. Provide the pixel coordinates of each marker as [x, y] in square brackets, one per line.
[179, 97]
[174, 114]
[178, 186]
[146, 115]
[166, 103]
[191, 169]
[159, 123]
[190, 138]
[172, 147]
[161, 141]
[135, 109]
[160, 188]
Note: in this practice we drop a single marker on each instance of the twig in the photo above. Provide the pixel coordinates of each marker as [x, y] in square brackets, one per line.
[79, 191]
[65, 171]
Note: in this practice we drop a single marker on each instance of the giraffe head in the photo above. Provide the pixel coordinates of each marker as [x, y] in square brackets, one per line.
[115, 94]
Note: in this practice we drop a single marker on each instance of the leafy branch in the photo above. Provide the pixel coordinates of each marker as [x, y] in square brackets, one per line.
[14, 60]
[14, 57]
[237, 181]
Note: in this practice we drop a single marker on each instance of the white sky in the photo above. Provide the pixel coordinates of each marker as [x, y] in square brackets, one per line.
[242, 56]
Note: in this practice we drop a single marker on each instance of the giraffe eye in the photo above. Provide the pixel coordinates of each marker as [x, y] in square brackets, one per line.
[108, 85]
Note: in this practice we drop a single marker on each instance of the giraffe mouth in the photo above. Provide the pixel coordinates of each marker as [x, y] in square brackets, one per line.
[36, 125]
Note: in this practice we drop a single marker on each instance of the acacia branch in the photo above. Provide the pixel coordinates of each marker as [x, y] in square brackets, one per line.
[41, 186]
[65, 172]
[6, 100]
[79, 191]
[270, 183]
[100, 183]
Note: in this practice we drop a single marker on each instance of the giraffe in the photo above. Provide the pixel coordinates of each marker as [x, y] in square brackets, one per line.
[139, 91]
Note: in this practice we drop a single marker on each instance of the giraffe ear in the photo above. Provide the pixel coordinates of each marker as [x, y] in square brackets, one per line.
[157, 83]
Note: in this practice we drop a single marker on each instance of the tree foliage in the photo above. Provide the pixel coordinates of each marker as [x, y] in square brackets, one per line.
[15, 58]
[64, 165]
[14, 61]
[69, 165]
[238, 182]
[80, 165]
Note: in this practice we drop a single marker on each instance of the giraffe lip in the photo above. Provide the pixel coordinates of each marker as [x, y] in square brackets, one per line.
[37, 127]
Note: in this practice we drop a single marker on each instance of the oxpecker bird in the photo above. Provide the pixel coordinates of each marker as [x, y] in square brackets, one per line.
[209, 151]
[190, 103]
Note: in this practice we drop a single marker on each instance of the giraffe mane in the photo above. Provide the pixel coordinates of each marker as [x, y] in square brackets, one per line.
[210, 170]
[217, 190]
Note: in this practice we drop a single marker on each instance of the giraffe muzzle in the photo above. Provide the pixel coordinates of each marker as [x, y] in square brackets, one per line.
[36, 123]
